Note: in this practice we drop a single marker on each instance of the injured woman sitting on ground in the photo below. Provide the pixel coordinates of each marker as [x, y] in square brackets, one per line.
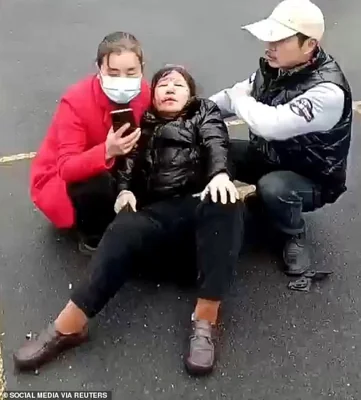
[176, 184]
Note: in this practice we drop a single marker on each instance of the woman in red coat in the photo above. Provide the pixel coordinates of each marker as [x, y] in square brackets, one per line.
[71, 179]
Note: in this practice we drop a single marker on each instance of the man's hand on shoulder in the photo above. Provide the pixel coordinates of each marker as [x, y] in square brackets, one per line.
[242, 88]
[223, 99]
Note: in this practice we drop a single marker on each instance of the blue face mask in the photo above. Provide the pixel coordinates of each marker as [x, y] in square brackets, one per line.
[121, 90]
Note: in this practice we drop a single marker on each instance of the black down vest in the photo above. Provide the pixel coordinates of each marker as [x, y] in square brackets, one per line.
[320, 156]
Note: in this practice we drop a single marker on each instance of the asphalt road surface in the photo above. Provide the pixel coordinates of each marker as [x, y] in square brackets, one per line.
[276, 344]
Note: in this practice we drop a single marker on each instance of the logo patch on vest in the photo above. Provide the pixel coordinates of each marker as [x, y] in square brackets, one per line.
[303, 107]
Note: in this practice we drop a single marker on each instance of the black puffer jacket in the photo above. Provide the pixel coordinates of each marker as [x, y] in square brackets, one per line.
[176, 157]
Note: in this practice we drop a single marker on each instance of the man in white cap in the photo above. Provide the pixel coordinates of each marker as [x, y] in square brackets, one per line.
[298, 107]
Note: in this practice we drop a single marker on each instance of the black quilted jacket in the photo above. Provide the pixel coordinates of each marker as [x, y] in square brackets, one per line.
[176, 157]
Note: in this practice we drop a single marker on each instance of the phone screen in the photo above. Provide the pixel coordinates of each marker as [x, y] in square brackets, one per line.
[121, 117]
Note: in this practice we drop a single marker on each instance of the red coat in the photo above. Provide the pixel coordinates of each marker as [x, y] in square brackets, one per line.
[74, 147]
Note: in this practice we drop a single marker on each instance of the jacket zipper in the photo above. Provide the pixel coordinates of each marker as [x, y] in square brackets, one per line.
[153, 154]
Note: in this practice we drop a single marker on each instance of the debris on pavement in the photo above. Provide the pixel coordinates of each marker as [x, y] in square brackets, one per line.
[304, 283]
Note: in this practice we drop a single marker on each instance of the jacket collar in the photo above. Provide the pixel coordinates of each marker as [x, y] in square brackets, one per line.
[152, 117]
[305, 69]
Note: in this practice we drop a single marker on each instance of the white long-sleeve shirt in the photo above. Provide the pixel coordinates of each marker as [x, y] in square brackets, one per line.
[318, 109]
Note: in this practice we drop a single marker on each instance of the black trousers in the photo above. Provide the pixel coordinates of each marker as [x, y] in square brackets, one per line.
[285, 195]
[215, 229]
[93, 201]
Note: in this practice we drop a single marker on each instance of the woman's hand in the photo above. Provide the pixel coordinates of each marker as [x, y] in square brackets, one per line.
[125, 198]
[222, 185]
[118, 145]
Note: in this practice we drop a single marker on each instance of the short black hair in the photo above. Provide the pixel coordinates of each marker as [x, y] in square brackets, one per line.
[301, 38]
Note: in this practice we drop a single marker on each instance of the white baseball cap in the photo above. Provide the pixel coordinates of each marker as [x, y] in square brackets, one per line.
[289, 18]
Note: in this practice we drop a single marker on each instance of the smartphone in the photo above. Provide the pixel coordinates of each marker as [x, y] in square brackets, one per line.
[122, 117]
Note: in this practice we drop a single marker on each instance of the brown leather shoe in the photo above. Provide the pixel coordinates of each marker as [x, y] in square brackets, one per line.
[201, 357]
[48, 345]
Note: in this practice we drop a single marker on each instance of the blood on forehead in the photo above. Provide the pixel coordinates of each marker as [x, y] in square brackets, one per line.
[172, 76]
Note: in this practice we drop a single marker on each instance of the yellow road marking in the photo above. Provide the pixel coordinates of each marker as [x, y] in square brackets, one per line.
[356, 106]
[235, 122]
[17, 157]
[2, 377]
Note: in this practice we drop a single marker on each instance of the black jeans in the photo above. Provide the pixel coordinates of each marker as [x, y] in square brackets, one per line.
[93, 201]
[285, 195]
[144, 236]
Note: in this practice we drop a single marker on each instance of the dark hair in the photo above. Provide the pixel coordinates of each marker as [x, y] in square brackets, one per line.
[118, 42]
[301, 38]
[168, 69]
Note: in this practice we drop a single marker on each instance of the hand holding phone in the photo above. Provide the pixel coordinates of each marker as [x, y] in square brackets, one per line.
[117, 144]
[122, 117]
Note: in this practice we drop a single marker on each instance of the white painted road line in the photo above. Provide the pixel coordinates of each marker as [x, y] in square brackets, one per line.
[356, 106]
[2, 377]
[17, 157]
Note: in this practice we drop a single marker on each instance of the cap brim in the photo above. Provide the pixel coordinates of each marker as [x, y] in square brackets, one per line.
[269, 30]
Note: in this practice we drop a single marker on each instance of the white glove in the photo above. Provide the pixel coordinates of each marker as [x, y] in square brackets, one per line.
[224, 186]
[125, 197]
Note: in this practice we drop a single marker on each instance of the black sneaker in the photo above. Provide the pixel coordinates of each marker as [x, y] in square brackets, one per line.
[296, 255]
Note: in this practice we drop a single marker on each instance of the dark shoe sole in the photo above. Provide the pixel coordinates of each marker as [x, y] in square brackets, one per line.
[197, 370]
[296, 273]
